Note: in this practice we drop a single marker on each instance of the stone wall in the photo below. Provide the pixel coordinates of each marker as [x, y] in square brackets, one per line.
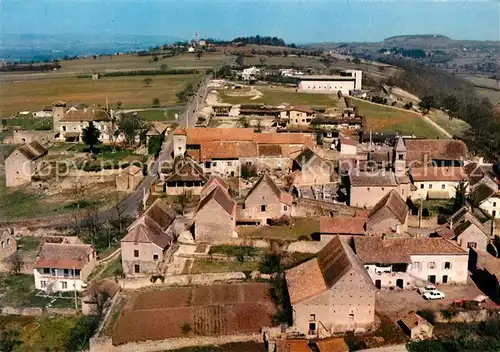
[183, 280]
[308, 207]
[24, 137]
[305, 246]
[37, 311]
[104, 344]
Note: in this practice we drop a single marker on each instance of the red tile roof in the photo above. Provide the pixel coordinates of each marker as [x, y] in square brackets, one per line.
[198, 135]
[426, 150]
[394, 203]
[283, 196]
[146, 230]
[347, 141]
[342, 225]
[227, 150]
[64, 256]
[221, 197]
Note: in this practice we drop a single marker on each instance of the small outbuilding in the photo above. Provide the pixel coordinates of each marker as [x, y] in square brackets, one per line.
[129, 178]
[416, 327]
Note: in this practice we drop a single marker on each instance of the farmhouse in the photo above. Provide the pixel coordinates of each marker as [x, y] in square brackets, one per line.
[266, 201]
[388, 216]
[212, 183]
[331, 293]
[309, 169]
[63, 267]
[367, 188]
[128, 178]
[21, 165]
[409, 262]
[215, 218]
[436, 182]
[298, 115]
[68, 124]
[438, 152]
[148, 238]
[187, 178]
[348, 81]
[487, 199]
[483, 174]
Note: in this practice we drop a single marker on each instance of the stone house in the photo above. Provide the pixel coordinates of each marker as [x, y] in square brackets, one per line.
[436, 182]
[464, 228]
[483, 174]
[347, 146]
[407, 263]
[344, 226]
[309, 169]
[129, 178]
[187, 177]
[436, 152]
[298, 115]
[266, 201]
[212, 183]
[487, 198]
[21, 164]
[388, 216]
[215, 218]
[63, 267]
[8, 244]
[367, 188]
[416, 327]
[144, 247]
[331, 293]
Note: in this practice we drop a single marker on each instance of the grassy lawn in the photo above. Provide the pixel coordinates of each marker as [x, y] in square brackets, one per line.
[302, 227]
[30, 123]
[219, 266]
[19, 291]
[276, 96]
[159, 115]
[436, 207]
[108, 270]
[46, 333]
[129, 90]
[285, 61]
[387, 119]
[456, 127]
[28, 244]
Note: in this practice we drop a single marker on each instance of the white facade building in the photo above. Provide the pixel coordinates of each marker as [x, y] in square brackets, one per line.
[331, 84]
[437, 182]
[63, 267]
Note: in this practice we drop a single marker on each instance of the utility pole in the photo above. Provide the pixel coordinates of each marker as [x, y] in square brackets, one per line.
[74, 288]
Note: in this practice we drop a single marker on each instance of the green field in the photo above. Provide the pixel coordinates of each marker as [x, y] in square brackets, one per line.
[390, 120]
[276, 96]
[159, 115]
[302, 227]
[32, 95]
[456, 127]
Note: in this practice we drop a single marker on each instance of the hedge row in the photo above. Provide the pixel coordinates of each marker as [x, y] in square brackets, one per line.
[145, 73]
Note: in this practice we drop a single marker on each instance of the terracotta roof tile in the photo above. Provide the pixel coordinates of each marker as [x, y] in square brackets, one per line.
[342, 225]
[438, 174]
[146, 230]
[394, 203]
[214, 181]
[426, 150]
[281, 138]
[198, 135]
[488, 262]
[86, 114]
[227, 150]
[270, 150]
[283, 196]
[33, 150]
[398, 250]
[187, 170]
[333, 344]
[412, 319]
[376, 179]
[220, 196]
[63, 256]
[292, 346]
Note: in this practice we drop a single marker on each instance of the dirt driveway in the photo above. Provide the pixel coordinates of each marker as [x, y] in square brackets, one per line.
[395, 304]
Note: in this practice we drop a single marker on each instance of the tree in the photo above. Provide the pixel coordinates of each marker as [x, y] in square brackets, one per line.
[460, 196]
[90, 136]
[427, 102]
[131, 126]
[155, 143]
[156, 102]
[451, 105]
[248, 170]
[186, 328]
[243, 122]
[262, 60]
[163, 67]
[9, 340]
[240, 59]
[119, 104]
[199, 53]
[408, 105]
[82, 332]
[147, 81]
[258, 128]
[16, 263]
[183, 200]
[182, 96]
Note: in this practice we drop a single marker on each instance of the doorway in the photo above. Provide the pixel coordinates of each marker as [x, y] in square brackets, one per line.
[445, 279]
[431, 279]
[378, 284]
[400, 283]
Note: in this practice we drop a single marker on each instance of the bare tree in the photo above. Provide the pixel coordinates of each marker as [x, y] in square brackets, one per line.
[16, 263]
[147, 81]
[183, 200]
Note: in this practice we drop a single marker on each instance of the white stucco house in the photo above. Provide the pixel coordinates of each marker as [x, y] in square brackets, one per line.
[487, 199]
[436, 182]
[63, 267]
[406, 263]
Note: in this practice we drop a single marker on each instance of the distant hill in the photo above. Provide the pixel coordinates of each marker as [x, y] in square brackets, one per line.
[416, 37]
[41, 47]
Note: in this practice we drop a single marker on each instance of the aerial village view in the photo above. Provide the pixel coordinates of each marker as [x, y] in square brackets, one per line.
[196, 187]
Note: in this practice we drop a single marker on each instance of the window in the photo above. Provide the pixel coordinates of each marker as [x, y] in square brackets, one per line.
[136, 253]
[401, 156]
[471, 244]
[207, 164]
[285, 208]
[46, 270]
[447, 265]
[494, 204]
[229, 163]
[64, 285]
[64, 128]
[494, 213]
[312, 317]
[214, 163]
[137, 269]
[432, 265]
[351, 316]
[383, 188]
[43, 284]
[8, 241]
[443, 186]
[417, 266]
[3, 244]
[368, 189]
[422, 186]
[263, 208]
[155, 256]
[77, 272]
[430, 186]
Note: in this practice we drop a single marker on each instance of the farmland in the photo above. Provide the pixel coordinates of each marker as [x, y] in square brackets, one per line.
[276, 96]
[192, 311]
[386, 119]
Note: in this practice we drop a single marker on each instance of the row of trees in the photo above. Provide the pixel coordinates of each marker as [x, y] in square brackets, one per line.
[184, 94]
[456, 96]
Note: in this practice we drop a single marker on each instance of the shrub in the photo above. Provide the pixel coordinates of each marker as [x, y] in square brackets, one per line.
[186, 328]
[427, 315]
[82, 332]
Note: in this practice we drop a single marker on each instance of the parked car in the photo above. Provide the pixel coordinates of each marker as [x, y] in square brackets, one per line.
[431, 295]
[427, 288]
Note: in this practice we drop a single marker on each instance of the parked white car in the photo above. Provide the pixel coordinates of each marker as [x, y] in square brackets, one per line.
[431, 295]
[426, 288]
